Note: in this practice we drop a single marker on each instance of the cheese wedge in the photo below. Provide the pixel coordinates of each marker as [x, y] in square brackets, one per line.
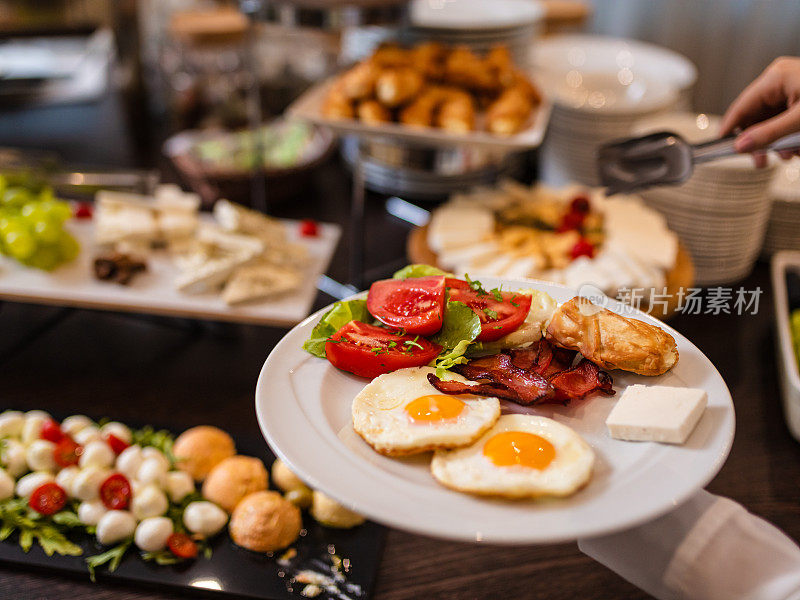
[258, 281]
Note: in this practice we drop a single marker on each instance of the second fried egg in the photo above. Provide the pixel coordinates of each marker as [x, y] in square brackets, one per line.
[401, 413]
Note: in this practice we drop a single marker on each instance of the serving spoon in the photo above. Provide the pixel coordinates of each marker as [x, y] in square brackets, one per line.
[664, 158]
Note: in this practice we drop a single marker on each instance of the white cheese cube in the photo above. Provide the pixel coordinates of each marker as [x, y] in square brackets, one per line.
[656, 414]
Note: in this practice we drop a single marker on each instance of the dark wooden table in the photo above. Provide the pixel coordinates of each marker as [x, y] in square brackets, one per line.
[178, 374]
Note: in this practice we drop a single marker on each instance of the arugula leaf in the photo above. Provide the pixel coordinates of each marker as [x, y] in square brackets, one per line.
[475, 285]
[460, 326]
[111, 557]
[492, 314]
[68, 518]
[161, 439]
[337, 317]
[32, 527]
[410, 271]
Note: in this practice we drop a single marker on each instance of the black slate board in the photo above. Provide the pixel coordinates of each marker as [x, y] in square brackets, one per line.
[231, 571]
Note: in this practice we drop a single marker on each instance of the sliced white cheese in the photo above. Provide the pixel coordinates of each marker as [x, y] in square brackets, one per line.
[453, 227]
[656, 413]
[259, 280]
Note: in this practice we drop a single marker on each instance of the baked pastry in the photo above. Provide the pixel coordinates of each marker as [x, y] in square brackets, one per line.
[464, 68]
[611, 340]
[326, 511]
[200, 449]
[372, 112]
[421, 111]
[233, 479]
[337, 105]
[265, 522]
[359, 82]
[456, 112]
[397, 86]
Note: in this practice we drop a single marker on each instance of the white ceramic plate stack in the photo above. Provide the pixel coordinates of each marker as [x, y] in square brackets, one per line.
[783, 231]
[721, 212]
[477, 24]
[601, 86]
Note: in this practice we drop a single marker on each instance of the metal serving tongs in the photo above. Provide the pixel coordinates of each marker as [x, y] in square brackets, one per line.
[664, 158]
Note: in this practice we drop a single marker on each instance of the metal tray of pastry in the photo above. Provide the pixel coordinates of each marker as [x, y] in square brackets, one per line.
[232, 571]
[309, 107]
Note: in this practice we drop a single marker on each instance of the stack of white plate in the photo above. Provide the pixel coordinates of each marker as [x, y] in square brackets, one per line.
[477, 24]
[601, 86]
[783, 231]
[721, 212]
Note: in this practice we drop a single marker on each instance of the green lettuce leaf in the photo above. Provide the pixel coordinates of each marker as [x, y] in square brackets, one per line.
[410, 271]
[460, 327]
[337, 317]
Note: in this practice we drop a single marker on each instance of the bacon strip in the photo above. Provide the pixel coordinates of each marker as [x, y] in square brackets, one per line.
[538, 373]
[582, 380]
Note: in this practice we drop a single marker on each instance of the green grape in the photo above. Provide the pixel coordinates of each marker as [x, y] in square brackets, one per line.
[47, 194]
[16, 197]
[68, 246]
[20, 243]
[34, 211]
[47, 257]
[47, 230]
[56, 209]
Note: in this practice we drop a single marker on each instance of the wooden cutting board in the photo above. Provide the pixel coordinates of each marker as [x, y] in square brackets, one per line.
[681, 276]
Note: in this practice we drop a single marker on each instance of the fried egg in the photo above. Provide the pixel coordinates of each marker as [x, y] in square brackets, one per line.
[401, 413]
[521, 456]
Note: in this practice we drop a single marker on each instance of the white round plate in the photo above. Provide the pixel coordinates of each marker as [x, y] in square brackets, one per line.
[303, 409]
[475, 15]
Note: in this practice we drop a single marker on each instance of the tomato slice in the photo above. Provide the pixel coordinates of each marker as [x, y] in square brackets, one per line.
[500, 312]
[181, 545]
[51, 431]
[117, 445]
[67, 452]
[415, 305]
[115, 492]
[48, 498]
[369, 351]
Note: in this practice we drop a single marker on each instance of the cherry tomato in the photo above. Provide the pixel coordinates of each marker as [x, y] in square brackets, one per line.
[83, 210]
[500, 312]
[48, 498]
[580, 204]
[309, 228]
[117, 445]
[66, 453]
[51, 431]
[415, 305]
[115, 492]
[571, 220]
[582, 248]
[181, 545]
[369, 351]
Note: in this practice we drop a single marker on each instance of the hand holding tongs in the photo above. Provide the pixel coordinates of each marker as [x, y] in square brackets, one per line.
[664, 158]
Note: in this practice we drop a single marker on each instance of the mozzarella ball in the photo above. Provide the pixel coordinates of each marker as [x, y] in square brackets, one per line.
[32, 425]
[265, 522]
[155, 453]
[86, 485]
[283, 477]
[152, 533]
[6, 485]
[204, 518]
[90, 513]
[11, 422]
[233, 479]
[178, 484]
[149, 501]
[97, 454]
[87, 435]
[31, 481]
[39, 456]
[119, 430]
[66, 477]
[72, 425]
[200, 449]
[330, 513]
[114, 526]
[152, 470]
[129, 461]
[12, 455]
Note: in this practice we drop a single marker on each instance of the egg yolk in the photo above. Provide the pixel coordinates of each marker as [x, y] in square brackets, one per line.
[434, 407]
[519, 448]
